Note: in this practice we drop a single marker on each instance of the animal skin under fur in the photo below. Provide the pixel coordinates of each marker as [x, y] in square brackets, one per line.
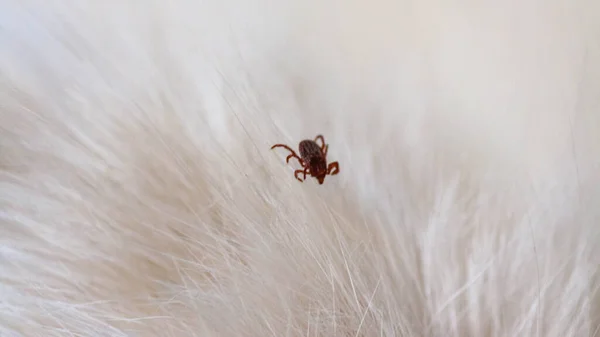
[139, 195]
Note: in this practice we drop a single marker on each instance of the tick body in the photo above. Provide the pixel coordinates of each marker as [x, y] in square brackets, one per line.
[313, 159]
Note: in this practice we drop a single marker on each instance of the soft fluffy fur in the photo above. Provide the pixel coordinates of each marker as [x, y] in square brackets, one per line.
[139, 196]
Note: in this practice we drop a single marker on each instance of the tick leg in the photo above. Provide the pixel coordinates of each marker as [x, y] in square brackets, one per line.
[333, 168]
[322, 140]
[292, 155]
[326, 147]
[304, 173]
[300, 171]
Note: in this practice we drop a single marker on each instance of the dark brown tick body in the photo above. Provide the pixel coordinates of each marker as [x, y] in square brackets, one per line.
[313, 159]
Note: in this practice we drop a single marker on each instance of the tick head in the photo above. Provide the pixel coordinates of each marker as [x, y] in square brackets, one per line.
[321, 178]
[318, 169]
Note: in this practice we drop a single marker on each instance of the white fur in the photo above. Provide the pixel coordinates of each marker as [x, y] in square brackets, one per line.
[139, 195]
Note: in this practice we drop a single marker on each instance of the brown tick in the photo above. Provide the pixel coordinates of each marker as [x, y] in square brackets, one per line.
[313, 159]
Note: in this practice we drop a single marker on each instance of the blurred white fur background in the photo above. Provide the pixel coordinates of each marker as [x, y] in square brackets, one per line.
[139, 196]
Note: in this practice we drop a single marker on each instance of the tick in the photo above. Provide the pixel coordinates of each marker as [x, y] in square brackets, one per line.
[313, 159]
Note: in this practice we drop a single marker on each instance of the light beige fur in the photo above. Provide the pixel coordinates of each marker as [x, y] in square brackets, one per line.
[139, 196]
